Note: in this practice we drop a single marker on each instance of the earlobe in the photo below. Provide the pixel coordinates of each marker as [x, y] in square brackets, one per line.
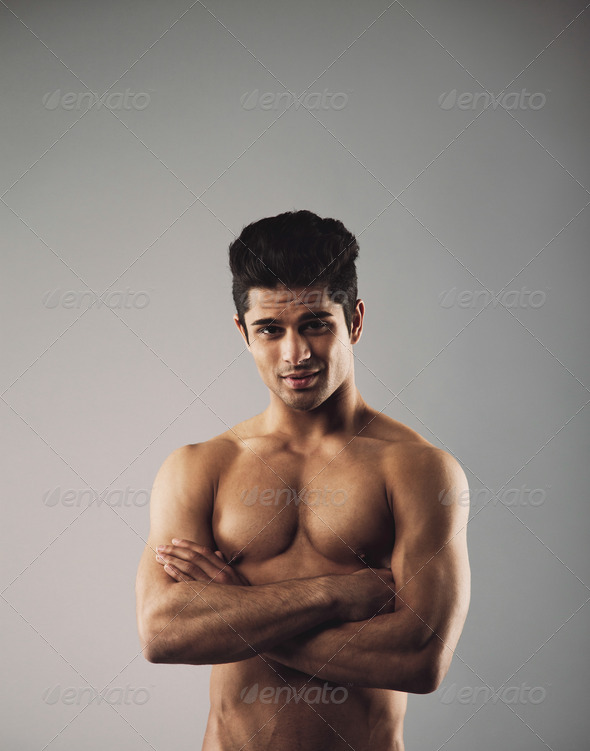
[357, 321]
[241, 330]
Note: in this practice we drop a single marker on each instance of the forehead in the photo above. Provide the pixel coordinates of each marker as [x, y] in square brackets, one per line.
[295, 301]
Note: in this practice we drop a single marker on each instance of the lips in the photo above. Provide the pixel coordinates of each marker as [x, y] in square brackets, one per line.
[300, 380]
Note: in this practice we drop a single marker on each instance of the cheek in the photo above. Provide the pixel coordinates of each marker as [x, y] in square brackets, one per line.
[340, 361]
[261, 365]
[264, 362]
[338, 352]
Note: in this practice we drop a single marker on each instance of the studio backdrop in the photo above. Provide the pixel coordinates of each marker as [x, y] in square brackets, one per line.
[138, 138]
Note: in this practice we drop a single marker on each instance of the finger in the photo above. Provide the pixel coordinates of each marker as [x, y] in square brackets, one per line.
[181, 541]
[217, 569]
[175, 563]
[199, 569]
[192, 545]
[187, 571]
[186, 553]
[179, 576]
[171, 571]
[207, 560]
[188, 549]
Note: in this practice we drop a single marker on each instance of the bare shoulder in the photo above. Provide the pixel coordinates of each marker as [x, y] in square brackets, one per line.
[414, 468]
[403, 443]
[395, 437]
[195, 465]
[200, 465]
[223, 442]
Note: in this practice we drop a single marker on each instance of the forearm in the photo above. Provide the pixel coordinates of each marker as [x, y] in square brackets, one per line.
[384, 652]
[211, 623]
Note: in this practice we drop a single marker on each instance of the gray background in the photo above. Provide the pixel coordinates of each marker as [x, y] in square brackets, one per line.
[455, 204]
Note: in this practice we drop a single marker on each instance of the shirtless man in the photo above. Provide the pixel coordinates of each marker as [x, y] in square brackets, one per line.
[316, 553]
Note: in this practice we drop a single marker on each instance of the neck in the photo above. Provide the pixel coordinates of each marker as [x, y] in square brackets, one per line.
[343, 412]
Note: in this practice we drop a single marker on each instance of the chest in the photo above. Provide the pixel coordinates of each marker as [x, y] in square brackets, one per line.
[330, 511]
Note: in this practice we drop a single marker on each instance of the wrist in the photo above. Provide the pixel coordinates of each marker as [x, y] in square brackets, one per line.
[336, 595]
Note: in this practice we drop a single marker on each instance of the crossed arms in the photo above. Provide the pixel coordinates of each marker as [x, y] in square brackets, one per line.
[384, 629]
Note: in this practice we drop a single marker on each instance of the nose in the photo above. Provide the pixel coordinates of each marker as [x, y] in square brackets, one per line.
[295, 348]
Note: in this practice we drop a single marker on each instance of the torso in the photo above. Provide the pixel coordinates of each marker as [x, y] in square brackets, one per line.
[282, 512]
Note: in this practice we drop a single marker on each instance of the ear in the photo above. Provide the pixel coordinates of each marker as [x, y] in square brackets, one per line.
[357, 322]
[241, 329]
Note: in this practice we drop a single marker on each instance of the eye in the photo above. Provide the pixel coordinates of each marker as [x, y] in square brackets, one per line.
[316, 325]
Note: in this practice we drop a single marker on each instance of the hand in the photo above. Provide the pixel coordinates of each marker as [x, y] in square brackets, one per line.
[368, 592]
[187, 561]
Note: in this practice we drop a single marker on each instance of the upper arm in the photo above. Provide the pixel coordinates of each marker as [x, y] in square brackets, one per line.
[181, 505]
[430, 564]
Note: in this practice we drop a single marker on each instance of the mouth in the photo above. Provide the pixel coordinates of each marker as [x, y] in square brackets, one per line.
[300, 381]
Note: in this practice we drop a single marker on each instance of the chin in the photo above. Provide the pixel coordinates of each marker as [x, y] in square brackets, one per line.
[303, 407]
[305, 402]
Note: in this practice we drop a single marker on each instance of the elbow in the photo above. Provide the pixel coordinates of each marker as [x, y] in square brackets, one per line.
[150, 653]
[155, 650]
[157, 639]
[149, 637]
[153, 647]
[434, 665]
[162, 643]
[425, 671]
[428, 680]
[167, 639]
[160, 647]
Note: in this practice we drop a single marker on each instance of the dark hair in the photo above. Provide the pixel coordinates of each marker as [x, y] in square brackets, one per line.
[295, 249]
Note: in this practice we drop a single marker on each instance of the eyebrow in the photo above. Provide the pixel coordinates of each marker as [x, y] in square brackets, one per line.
[303, 317]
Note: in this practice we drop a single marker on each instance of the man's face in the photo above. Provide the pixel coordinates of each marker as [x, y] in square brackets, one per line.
[300, 343]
